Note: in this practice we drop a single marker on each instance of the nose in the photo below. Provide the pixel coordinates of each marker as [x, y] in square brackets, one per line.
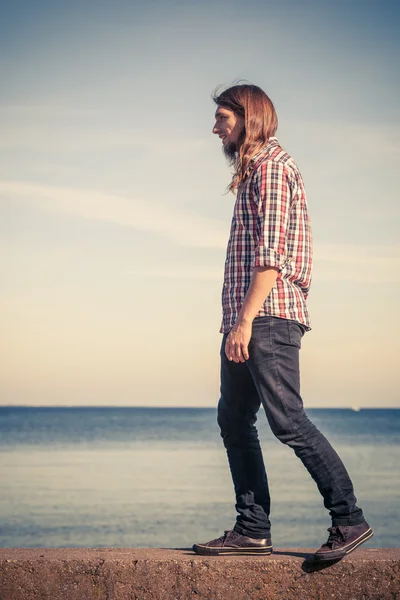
[215, 129]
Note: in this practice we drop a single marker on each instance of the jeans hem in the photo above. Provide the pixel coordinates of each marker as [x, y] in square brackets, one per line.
[242, 531]
[347, 521]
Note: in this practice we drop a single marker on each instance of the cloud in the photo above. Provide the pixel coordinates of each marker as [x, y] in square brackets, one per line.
[364, 264]
[355, 141]
[143, 215]
[47, 110]
[333, 262]
[367, 255]
[54, 138]
[196, 272]
[47, 128]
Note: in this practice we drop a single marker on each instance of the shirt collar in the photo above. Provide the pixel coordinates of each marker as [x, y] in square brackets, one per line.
[272, 142]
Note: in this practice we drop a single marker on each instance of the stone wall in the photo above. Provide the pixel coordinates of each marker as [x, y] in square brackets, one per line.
[157, 574]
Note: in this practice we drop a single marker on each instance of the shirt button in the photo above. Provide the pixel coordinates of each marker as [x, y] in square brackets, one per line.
[225, 284]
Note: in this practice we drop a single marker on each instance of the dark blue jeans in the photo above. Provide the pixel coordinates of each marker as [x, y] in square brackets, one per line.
[271, 377]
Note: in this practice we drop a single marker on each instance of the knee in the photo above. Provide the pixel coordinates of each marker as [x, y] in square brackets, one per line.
[286, 436]
[225, 419]
[293, 432]
[236, 428]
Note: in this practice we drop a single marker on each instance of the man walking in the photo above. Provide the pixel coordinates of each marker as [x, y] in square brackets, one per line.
[266, 283]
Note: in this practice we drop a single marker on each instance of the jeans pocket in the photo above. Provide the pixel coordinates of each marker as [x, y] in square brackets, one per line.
[295, 332]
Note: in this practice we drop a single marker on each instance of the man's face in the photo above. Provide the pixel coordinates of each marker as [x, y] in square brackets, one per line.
[229, 127]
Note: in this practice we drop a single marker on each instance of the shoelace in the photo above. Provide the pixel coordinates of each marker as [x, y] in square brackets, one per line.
[336, 534]
[229, 534]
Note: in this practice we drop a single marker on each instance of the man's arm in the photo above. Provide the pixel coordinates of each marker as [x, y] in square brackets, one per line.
[262, 281]
[272, 194]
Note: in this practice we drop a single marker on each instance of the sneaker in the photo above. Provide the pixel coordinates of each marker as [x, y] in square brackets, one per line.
[342, 540]
[233, 542]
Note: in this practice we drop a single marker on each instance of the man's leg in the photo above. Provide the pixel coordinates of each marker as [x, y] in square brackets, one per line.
[237, 410]
[237, 415]
[274, 365]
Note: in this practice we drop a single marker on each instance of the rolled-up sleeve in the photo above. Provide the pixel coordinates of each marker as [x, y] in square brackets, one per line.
[272, 196]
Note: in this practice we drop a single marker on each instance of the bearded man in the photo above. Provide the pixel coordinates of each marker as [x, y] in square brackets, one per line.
[266, 284]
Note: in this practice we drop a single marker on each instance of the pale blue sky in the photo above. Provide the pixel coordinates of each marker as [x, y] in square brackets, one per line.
[113, 214]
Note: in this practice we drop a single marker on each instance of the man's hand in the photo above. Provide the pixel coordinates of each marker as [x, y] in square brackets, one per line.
[237, 342]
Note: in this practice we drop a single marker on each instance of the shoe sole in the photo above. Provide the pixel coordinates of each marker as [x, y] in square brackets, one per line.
[220, 550]
[335, 554]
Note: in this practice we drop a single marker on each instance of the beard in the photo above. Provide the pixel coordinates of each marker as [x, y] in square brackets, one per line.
[230, 151]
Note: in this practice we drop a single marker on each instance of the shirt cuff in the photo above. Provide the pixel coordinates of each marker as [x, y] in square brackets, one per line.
[265, 257]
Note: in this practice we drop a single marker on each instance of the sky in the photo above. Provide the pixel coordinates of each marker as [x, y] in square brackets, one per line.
[114, 215]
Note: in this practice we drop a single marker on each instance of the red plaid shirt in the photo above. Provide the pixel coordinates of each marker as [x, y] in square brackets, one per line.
[270, 228]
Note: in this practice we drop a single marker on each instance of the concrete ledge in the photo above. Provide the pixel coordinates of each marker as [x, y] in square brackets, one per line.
[141, 574]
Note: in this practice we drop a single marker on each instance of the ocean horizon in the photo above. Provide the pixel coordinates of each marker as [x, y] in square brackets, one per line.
[158, 476]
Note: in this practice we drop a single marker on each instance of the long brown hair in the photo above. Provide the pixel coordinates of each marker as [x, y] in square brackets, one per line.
[260, 123]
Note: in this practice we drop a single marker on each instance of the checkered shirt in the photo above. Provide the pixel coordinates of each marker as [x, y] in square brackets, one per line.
[270, 228]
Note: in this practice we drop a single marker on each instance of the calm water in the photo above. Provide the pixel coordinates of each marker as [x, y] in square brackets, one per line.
[131, 477]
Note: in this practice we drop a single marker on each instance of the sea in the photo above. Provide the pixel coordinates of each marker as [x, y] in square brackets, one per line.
[159, 477]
